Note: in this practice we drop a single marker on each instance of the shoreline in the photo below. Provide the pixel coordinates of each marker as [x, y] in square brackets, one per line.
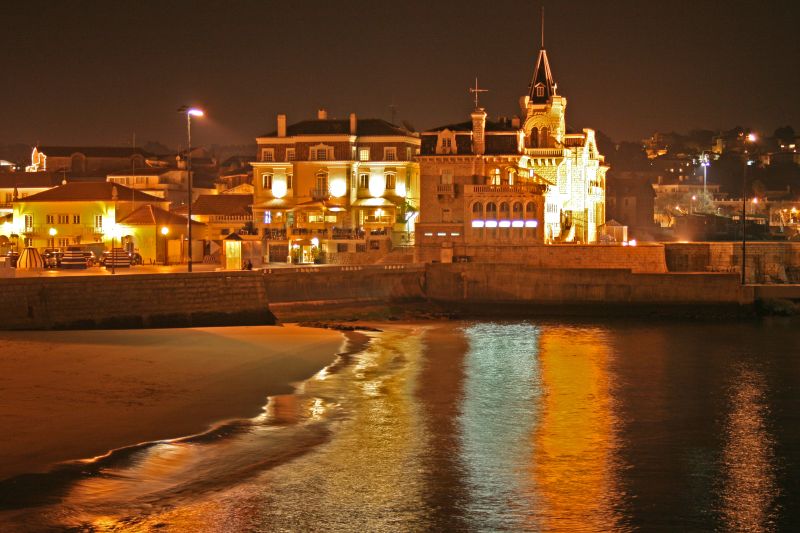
[69, 396]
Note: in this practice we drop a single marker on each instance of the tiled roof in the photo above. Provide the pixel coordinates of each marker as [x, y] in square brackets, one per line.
[223, 204]
[149, 214]
[365, 127]
[22, 180]
[90, 191]
[92, 151]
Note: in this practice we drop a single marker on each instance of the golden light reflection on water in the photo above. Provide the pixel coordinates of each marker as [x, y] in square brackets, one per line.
[574, 463]
[749, 485]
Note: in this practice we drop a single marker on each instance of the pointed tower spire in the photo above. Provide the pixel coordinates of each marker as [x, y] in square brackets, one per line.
[542, 85]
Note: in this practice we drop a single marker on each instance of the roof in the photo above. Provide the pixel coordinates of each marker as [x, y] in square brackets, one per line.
[90, 191]
[542, 75]
[142, 171]
[364, 127]
[223, 204]
[150, 214]
[92, 151]
[491, 126]
[24, 180]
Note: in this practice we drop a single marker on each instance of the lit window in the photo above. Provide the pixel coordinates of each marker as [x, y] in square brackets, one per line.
[390, 181]
[267, 217]
[390, 154]
[455, 234]
[266, 181]
[429, 234]
[441, 234]
[363, 181]
[517, 224]
[363, 154]
[491, 223]
[531, 223]
[505, 224]
[290, 155]
[477, 223]
[268, 154]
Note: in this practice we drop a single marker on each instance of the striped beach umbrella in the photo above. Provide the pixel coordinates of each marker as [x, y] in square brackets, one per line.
[30, 259]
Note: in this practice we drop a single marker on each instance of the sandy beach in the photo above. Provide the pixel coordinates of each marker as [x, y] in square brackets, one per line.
[77, 394]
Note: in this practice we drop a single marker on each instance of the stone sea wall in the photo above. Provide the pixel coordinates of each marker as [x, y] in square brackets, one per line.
[766, 261]
[134, 301]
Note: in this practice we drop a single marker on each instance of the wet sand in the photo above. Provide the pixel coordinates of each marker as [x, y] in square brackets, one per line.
[78, 394]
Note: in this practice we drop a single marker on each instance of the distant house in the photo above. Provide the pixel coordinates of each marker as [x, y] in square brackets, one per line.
[15, 185]
[86, 159]
[76, 213]
[159, 235]
[223, 214]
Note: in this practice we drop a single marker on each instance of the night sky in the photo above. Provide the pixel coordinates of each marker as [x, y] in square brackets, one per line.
[90, 72]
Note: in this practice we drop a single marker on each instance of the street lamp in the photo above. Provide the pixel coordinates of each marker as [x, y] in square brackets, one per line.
[691, 206]
[705, 163]
[165, 232]
[747, 162]
[190, 112]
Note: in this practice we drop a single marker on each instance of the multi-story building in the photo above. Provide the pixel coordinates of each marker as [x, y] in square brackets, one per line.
[76, 213]
[511, 182]
[337, 188]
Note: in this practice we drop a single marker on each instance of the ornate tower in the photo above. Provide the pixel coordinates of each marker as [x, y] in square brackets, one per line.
[542, 108]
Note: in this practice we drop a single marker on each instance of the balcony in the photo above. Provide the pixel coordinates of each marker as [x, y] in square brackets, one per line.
[275, 234]
[446, 189]
[513, 190]
[545, 152]
[347, 234]
[384, 220]
[319, 194]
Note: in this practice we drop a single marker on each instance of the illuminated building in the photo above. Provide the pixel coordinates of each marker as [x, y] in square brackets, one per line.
[335, 187]
[85, 159]
[76, 213]
[511, 182]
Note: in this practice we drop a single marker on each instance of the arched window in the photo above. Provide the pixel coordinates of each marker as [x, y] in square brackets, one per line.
[512, 174]
[266, 181]
[391, 180]
[517, 210]
[530, 210]
[477, 210]
[491, 211]
[504, 210]
[78, 163]
[534, 141]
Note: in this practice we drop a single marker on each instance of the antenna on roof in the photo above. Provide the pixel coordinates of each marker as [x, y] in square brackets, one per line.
[477, 91]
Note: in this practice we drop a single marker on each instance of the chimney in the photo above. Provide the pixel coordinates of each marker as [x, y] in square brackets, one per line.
[322, 114]
[281, 125]
[478, 131]
[353, 124]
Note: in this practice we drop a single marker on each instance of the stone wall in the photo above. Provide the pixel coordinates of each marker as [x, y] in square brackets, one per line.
[131, 301]
[766, 261]
[501, 283]
[642, 258]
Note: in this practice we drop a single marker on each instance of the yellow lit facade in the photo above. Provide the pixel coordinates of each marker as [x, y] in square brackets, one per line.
[335, 188]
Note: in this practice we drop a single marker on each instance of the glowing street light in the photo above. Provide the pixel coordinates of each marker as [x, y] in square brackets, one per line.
[165, 232]
[190, 112]
[53, 232]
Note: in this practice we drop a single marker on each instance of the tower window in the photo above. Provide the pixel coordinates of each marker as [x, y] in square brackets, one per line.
[539, 90]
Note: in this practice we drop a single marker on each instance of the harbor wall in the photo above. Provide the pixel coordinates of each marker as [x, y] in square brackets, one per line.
[134, 301]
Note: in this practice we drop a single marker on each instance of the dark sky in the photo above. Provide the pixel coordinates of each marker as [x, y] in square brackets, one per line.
[92, 72]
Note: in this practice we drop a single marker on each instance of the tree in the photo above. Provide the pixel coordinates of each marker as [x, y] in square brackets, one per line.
[785, 134]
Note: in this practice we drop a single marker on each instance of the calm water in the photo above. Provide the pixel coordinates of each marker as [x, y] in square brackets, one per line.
[482, 427]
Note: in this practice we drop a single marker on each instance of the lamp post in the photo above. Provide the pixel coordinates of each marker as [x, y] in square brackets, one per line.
[114, 197]
[750, 138]
[165, 232]
[705, 163]
[190, 112]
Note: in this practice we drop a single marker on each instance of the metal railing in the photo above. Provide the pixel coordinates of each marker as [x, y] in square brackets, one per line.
[504, 189]
[445, 188]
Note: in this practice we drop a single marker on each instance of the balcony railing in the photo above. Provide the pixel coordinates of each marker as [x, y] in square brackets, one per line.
[230, 218]
[347, 234]
[544, 152]
[523, 189]
[446, 188]
[319, 194]
[372, 219]
[275, 234]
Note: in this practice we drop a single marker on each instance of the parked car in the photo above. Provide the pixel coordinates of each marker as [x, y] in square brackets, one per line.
[77, 257]
[12, 257]
[133, 257]
[52, 257]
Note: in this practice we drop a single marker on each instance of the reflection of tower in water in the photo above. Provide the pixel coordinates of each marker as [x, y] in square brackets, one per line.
[575, 464]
